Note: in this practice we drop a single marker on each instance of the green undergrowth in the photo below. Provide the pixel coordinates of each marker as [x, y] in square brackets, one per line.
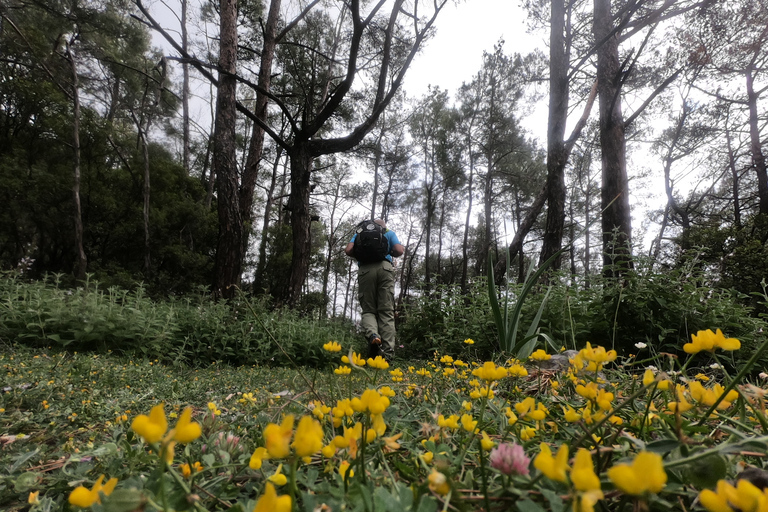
[190, 330]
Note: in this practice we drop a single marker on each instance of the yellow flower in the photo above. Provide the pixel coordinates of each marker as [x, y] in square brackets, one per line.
[648, 378]
[555, 467]
[153, 427]
[370, 401]
[486, 442]
[271, 502]
[34, 498]
[259, 454]
[397, 375]
[527, 433]
[451, 422]
[428, 457]
[583, 474]
[378, 425]
[332, 346]
[489, 372]
[357, 359]
[187, 470]
[215, 410]
[378, 363]
[468, 423]
[309, 437]
[709, 341]
[84, 498]
[277, 438]
[571, 416]
[517, 370]
[585, 502]
[469, 341]
[727, 498]
[343, 468]
[186, 430]
[390, 443]
[511, 416]
[319, 409]
[279, 479]
[540, 355]
[718, 501]
[343, 370]
[645, 474]
[438, 483]
[446, 359]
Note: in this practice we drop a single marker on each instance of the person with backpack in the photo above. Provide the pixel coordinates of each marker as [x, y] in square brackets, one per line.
[373, 246]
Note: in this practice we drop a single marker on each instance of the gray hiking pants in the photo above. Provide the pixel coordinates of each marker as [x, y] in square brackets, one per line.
[376, 292]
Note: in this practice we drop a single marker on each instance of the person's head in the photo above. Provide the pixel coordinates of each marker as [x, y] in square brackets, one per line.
[380, 222]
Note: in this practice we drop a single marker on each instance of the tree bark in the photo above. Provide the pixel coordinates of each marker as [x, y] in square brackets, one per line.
[229, 252]
[616, 218]
[298, 204]
[467, 219]
[758, 158]
[556, 152]
[81, 259]
[185, 90]
[256, 147]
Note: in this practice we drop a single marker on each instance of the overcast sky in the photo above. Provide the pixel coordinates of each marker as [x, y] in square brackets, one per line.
[464, 31]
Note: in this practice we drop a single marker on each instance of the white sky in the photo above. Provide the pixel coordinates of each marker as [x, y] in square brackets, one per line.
[464, 31]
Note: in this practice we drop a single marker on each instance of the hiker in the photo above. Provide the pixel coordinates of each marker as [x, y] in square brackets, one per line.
[373, 246]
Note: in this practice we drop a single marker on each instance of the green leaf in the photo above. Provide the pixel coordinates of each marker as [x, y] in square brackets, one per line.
[22, 459]
[529, 506]
[663, 446]
[124, 500]
[706, 473]
[26, 481]
[555, 501]
[426, 504]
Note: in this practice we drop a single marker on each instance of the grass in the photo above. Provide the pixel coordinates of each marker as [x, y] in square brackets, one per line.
[451, 435]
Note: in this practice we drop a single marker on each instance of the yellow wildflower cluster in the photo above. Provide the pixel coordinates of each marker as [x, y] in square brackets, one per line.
[592, 359]
[743, 497]
[153, 427]
[709, 341]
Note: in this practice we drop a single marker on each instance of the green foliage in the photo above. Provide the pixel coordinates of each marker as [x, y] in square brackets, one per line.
[190, 330]
[508, 323]
[442, 321]
[659, 308]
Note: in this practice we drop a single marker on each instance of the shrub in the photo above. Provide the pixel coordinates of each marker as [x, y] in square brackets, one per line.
[187, 330]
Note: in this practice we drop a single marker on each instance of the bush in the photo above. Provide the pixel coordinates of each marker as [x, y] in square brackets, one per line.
[189, 330]
[658, 308]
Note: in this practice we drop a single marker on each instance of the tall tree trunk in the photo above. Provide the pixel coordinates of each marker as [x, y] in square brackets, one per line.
[82, 260]
[556, 151]
[298, 204]
[146, 193]
[616, 219]
[758, 158]
[229, 251]
[256, 148]
[185, 90]
[262, 260]
[467, 219]
[488, 211]
[735, 177]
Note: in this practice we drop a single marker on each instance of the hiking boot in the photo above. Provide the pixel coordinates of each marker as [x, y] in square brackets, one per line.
[374, 345]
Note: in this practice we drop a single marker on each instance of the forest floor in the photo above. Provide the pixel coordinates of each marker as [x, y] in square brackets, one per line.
[444, 434]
